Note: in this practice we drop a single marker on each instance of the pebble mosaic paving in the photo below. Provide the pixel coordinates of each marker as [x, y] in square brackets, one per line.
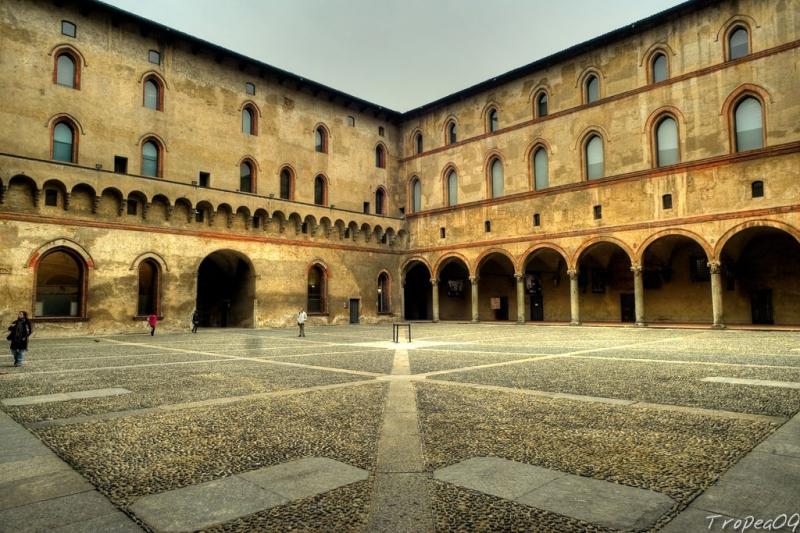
[176, 430]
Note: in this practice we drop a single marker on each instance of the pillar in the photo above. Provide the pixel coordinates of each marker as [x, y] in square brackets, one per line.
[474, 281]
[435, 300]
[403, 300]
[520, 298]
[716, 294]
[574, 298]
[638, 294]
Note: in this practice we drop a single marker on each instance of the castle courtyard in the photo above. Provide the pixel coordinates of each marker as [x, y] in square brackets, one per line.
[490, 427]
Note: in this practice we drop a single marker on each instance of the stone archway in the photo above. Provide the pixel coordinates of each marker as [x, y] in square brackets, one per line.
[546, 286]
[226, 290]
[497, 296]
[606, 283]
[454, 289]
[417, 302]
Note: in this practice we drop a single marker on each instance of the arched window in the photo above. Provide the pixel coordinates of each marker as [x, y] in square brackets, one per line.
[418, 143]
[667, 152]
[451, 132]
[452, 188]
[151, 159]
[64, 146]
[492, 120]
[60, 282]
[383, 293]
[380, 200]
[380, 156]
[321, 140]
[496, 169]
[317, 290]
[153, 95]
[148, 288]
[287, 184]
[416, 195]
[246, 177]
[320, 191]
[659, 68]
[540, 177]
[748, 124]
[249, 120]
[592, 88]
[67, 70]
[541, 104]
[593, 155]
[738, 43]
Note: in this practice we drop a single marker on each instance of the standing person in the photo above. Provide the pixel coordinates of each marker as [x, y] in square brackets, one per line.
[195, 321]
[301, 321]
[152, 320]
[20, 329]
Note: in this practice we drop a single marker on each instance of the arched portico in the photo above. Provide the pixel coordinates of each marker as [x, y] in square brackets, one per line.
[226, 290]
[496, 288]
[604, 283]
[454, 289]
[545, 286]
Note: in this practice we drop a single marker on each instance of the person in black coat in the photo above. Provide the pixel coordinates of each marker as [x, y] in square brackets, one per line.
[20, 330]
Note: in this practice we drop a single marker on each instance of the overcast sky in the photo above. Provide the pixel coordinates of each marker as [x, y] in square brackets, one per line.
[399, 54]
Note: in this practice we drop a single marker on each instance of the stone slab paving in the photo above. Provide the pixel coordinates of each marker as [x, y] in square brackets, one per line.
[215, 502]
[65, 396]
[40, 492]
[593, 500]
[759, 382]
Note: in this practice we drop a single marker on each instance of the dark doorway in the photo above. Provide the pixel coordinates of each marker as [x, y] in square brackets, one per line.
[455, 291]
[627, 306]
[502, 313]
[225, 290]
[761, 305]
[417, 293]
[354, 310]
[533, 286]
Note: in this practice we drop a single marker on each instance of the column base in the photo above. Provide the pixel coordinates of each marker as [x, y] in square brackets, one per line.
[641, 324]
[475, 320]
[520, 322]
[718, 326]
[435, 320]
[574, 323]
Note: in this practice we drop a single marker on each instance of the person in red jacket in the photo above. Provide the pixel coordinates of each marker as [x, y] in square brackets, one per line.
[153, 321]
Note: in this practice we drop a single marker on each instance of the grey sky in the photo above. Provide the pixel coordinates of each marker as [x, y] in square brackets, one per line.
[397, 54]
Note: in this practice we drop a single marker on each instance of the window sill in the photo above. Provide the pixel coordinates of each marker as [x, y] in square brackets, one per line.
[386, 313]
[317, 314]
[38, 319]
[145, 317]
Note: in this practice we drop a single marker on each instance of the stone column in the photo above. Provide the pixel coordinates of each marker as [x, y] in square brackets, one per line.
[474, 281]
[520, 298]
[403, 300]
[574, 298]
[716, 294]
[435, 293]
[638, 294]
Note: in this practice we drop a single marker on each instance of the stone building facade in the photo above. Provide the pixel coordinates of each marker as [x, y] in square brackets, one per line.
[647, 176]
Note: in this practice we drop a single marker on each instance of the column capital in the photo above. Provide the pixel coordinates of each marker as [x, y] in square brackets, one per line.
[434, 282]
[572, 273]
[474, 280]
[636, 268]
[518, 276]
[715, 267]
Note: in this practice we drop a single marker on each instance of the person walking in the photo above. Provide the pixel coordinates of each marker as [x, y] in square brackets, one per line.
[20, 330]
[152, 320]
[195, 321]
[301, 321]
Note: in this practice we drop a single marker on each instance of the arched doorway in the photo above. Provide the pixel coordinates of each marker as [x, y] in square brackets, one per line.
[417, 296]
[760, 269]
[605, 284]
[546, 286]
[454, 290]
[60, 284]
[226, 290]
[675, 271]
[149, 288]
[497, 292]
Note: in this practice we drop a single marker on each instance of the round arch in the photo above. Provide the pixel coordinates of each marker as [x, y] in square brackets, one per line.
[444, 260]
[791, 230]
[478, 262]
[149, 255]
[528, 254]
[226, 289]
[576, 257]
[638, 254]
[69, 244]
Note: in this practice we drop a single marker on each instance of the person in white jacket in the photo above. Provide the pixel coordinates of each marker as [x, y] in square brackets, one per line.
[301, 322]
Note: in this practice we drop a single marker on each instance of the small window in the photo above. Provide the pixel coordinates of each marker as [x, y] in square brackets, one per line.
[51, 197]
[738, 43]
[152, 94]
[250, 89]
[592, 89]
[286, 184]
[757, 189]
[540, 177]
[748, 125]
[660, 68]
[541, 105]
[150, 159]
[416, 196]
[380, 156]
[537, 220]
[418, 143]
[380, 200]
[699, 269]
[66, 70]
[496, 177]
[154, 57]
[204, 179]
[452, 188]
[598, 212]
[64, 142]
[133, 206]
[351, 121]
[666, 201]
[68, 28]
[487, 226]
[452, 136]
[246, 177]
[320, 191]
[366, 208]
[381, 131]
[248, 120]
[667, 152]
[442, 233]
[594, 158]
[493, 121]
[120, 164]
[321, 140]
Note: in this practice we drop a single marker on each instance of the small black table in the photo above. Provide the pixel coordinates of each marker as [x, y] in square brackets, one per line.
[396, 330]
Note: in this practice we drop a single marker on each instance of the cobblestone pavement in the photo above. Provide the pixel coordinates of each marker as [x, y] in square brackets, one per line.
[622, 405]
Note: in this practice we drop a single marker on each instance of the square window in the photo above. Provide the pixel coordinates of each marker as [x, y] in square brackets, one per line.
[537, 221]
[757, 189]
[133, 207]
[351, 121]
[249, 88]
[366, 207]
[442, 233]
[51, 197]
[598, 212]
[120, 164]
[68, 28]
[487, 226]
[204, 178]
[666, 201]
[381, 131]
[154, 57]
